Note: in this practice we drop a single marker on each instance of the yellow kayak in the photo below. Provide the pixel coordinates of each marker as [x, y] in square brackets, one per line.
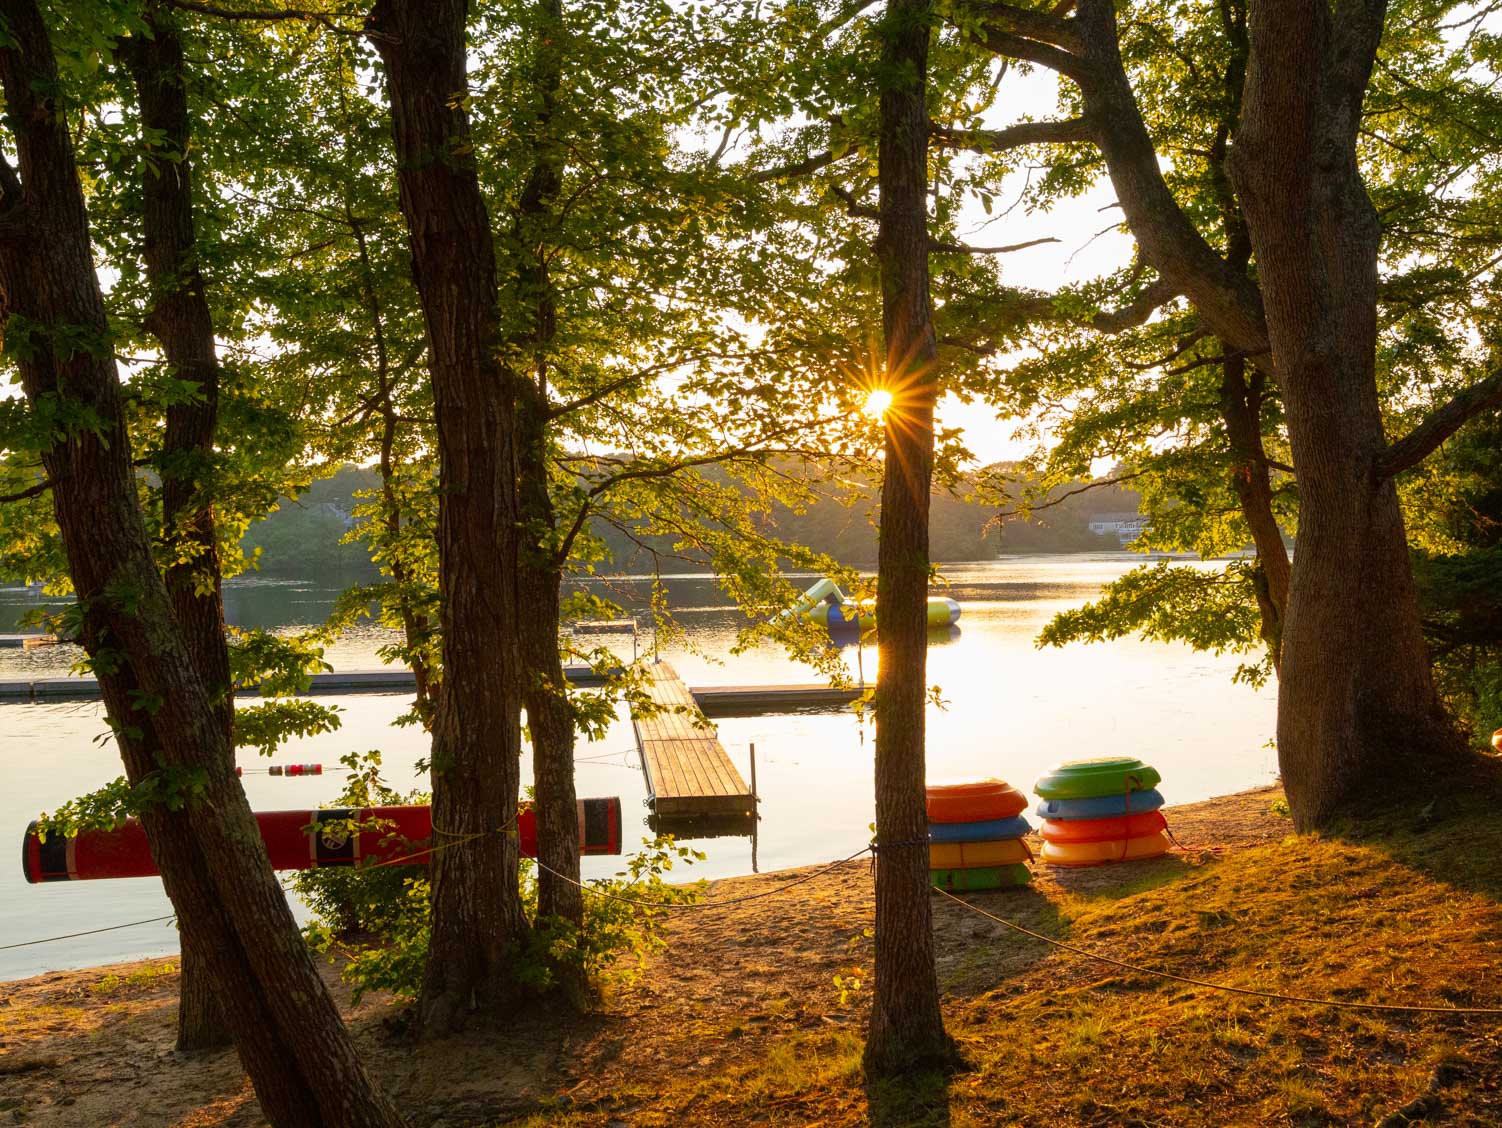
[977, 855]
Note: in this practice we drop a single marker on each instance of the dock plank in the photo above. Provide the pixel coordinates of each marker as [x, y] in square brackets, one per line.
[688, 771]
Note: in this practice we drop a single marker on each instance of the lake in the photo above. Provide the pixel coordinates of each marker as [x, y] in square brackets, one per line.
[1011, 710]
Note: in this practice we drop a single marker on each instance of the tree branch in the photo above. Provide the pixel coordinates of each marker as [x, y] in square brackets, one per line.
[34, 491]
[1441, 423]
[936, 247]
[1013, 136]
[795, 170]
[860, 211]
[1067, 494]
[324, 20]
[1042, 26]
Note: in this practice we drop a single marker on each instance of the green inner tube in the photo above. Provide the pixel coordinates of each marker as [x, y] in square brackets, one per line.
[1090, 779]
[975, 880]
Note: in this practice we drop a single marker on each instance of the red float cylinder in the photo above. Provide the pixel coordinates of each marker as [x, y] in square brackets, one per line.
[392, 835]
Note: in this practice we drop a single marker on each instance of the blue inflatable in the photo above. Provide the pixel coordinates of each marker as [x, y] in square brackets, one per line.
[1101, 807]
[992, 830]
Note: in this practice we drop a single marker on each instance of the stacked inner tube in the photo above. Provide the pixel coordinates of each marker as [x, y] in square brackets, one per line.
[1099, 811]
[975, 832]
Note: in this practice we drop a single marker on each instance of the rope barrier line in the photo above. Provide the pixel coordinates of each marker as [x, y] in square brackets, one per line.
[87, 932]
[1227, 987]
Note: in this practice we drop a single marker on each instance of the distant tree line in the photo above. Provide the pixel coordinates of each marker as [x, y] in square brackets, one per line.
[308, 537]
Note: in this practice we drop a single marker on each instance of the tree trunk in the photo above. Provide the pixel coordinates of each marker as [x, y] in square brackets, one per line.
[549, 716]
[1241, 408]
[179, 318]
[907, 1026]
[415, 625]
[230, 906]
[478, 920]
[1358, 715]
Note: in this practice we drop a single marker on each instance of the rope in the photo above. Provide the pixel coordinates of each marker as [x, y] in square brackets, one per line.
[87, 932]
[1159, 973]
[707, 905]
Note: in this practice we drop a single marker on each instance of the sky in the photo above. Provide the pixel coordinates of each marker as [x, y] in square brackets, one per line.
[1082, 252]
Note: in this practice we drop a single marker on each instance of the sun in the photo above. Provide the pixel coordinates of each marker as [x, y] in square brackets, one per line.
[877, 403]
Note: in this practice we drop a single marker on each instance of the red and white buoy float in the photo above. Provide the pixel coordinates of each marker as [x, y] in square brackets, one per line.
[298, 840]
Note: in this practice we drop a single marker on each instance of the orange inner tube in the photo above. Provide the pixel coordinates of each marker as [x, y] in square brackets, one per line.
[1104, 830]
[975, 801]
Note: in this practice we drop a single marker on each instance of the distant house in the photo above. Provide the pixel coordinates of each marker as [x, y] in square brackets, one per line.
[1126, 527]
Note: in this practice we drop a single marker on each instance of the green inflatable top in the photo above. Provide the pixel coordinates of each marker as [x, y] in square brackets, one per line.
[1090, 779]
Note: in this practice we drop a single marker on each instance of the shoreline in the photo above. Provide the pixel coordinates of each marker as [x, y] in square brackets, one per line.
[1033, 839]
[756, 1015]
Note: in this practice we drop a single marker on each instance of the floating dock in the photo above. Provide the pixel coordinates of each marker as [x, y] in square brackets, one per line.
[688, 771]
[330, 684]
[749, 700]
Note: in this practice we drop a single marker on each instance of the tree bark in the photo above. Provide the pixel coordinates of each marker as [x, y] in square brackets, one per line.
[907, 1026]
[179, 317]
[230, 906]
[539, 572]
[1241, 408]
[478, 921]
[1357, 713]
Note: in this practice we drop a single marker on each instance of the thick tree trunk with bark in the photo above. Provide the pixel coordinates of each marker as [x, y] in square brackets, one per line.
[907, 1027]
[1357, 713]
[478, 921]
[179, 318]
[214, 866]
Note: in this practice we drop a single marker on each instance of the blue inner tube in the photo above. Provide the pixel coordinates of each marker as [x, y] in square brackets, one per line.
[991, 830]
[1102, 806]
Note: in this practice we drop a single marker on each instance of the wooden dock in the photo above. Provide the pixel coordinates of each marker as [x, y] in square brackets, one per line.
[688, 771]
[751, 700]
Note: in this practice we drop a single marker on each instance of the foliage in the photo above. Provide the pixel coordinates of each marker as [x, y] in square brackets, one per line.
[378, 915]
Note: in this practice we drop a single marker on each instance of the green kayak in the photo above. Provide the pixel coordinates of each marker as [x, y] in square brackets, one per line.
[976, 880]
[1091, 779]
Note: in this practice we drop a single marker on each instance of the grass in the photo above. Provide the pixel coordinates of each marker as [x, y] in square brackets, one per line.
[1401, 910]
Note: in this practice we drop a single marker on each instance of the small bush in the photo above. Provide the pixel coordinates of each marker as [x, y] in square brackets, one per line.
[379, 916]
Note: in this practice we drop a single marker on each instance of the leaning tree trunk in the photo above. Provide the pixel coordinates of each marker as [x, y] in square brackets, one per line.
[179, 318]
[539, 569]
[907, 1026]
[478, 921]
[1357, 711]
[1241, 409]
[550, 718]
[213, 863]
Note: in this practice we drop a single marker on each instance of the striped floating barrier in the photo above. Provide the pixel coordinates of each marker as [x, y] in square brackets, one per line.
[297, 840]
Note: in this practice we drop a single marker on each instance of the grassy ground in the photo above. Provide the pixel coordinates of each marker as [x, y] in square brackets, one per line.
[755, 1016]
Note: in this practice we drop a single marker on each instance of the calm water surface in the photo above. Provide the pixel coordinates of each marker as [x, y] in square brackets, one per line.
[1011, 710]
